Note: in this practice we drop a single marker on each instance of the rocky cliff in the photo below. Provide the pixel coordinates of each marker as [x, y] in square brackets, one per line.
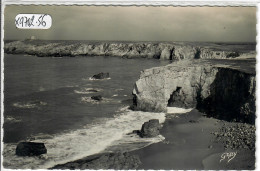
[225, 91]
[164, 51]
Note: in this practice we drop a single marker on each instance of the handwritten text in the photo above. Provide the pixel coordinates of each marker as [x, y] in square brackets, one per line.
[33, 21]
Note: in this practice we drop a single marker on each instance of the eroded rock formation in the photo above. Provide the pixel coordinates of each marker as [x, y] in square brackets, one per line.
[219, 91]
[164, 51]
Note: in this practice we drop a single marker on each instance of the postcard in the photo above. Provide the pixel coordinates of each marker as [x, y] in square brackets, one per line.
[128, 87]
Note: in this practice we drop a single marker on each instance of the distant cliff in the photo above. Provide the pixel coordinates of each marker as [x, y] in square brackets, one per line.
[164, 51]
[223, 91]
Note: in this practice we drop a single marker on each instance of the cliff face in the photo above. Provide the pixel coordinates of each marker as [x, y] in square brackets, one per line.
[164, 51]
[218, 91]
[233, 93]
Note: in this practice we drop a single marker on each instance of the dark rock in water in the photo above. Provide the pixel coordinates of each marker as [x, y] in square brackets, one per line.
[150, 129]
[97, 98]
[101, 75]
[116, 161]
[134, 132]
[30, 149]
[138, 132]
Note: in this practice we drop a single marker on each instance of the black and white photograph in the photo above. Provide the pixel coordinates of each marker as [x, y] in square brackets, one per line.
[129, 87]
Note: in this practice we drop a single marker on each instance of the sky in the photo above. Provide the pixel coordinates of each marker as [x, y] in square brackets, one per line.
[207, 24]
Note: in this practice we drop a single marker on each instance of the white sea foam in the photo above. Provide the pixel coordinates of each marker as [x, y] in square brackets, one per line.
[87, 90]
[72, 86]
[83, 142]
[131, 142]
[39, 136]
[93, 79]
[10, 119]
[41, 89]
[176, 110]
[29, 105]
[119, 89]
[115, 95]
[24, 105]
[123, 109]
[92, 101]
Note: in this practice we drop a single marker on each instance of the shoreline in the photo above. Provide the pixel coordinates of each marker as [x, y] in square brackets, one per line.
[189, 144]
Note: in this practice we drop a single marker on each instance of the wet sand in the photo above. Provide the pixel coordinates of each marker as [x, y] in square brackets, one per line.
[189, 144]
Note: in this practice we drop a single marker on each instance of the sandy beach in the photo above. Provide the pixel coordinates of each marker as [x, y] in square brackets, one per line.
[190, 144]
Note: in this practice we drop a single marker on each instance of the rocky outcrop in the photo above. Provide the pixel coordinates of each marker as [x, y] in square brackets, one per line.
[166, 53]
[30, 149]
[163, 51]
[185, 52]
[115, 161]
[220, 91]
[205, 53]
[97, 98]
[100, 76]
[150, 129]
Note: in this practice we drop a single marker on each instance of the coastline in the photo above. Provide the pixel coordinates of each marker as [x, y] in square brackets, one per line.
[189, 144]
[156, 50]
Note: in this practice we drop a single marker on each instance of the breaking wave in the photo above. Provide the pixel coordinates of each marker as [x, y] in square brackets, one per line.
[177, 110]
[92, 101]
[107, 134]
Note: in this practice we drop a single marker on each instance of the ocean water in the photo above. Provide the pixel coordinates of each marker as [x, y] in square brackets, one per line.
[49, 100]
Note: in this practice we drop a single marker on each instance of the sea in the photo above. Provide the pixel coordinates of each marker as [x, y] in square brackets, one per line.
[48, 100]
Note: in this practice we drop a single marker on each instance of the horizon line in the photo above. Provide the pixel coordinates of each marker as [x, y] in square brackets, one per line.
[131, 40]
